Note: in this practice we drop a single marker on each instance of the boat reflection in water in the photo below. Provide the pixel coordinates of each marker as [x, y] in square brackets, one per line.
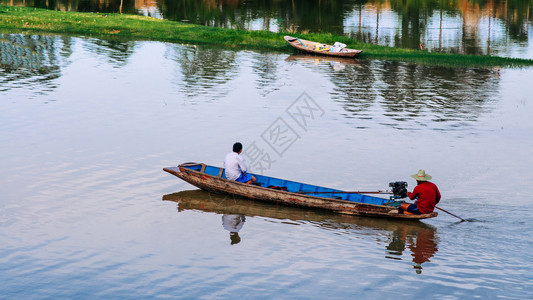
[336, 63]
[418, 237]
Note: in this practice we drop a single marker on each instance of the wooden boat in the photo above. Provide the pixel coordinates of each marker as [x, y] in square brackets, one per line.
[292, 193]
[319, 48]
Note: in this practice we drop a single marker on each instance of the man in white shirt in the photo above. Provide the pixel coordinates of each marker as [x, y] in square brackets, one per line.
[235, 167]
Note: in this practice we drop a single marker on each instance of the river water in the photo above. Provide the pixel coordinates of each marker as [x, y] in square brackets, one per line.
[86, 127]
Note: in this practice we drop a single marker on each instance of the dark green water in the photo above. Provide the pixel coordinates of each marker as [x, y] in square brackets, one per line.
[86, 127]
[497, 27]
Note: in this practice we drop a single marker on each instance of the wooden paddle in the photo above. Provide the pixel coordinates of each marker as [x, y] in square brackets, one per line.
[462, 220]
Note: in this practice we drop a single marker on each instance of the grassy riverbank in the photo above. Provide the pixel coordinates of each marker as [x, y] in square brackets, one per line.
[106, 26]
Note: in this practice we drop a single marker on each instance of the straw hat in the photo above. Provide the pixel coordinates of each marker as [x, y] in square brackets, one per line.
[421, 176]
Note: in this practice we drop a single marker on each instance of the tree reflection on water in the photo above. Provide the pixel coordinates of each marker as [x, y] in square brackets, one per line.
[116, 53]
[270, 77]
[402, 94]
[203, 70]
[31, 61]
[27, 61]
[394, 94]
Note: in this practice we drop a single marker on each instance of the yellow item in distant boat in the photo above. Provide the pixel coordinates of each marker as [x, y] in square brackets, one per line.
[320, 47]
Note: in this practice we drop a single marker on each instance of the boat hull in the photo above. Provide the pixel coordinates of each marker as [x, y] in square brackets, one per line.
[309, 46]
[220, 184]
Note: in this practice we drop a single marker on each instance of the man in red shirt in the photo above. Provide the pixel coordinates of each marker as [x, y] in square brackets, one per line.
[426, 193]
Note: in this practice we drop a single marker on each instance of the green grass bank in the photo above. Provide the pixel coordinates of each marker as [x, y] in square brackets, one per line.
[119, 26]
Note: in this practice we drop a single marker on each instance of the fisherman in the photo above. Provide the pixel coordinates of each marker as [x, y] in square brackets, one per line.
[235, 167]
[426, 193]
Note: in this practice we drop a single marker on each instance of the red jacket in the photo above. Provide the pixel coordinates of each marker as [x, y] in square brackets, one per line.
[427, 195]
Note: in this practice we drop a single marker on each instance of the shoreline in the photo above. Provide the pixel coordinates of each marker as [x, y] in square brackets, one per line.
[15, 19]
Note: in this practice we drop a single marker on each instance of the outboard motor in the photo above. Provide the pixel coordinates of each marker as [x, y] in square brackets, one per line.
[398, 189]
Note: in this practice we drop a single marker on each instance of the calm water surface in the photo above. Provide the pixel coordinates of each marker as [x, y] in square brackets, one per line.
[86, 212]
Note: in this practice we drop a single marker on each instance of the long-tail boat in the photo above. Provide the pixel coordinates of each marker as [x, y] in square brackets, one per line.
[270, 189]
[319, 48]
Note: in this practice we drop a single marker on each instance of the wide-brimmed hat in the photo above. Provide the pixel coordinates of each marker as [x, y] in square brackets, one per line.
[421, 176]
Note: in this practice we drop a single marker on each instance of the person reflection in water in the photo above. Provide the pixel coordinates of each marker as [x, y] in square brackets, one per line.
[423, 248]
[233, 224]
[422, 242]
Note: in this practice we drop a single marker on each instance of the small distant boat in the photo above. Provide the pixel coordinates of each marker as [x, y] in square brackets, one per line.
[319, 48]
[291, 193]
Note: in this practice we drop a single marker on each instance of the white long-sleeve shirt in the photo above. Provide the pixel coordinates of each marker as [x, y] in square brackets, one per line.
[234, 165]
